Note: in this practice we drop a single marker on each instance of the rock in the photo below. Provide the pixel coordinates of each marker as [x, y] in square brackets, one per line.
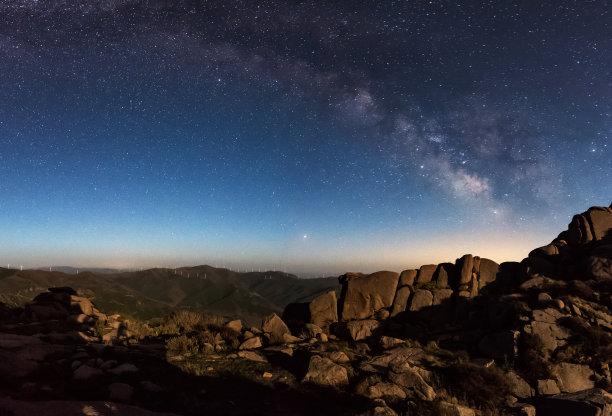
[324, 372]
[290, 339]
[579, 231]
[544, 326]
[536, 282]
[46, 312]
[150, 386]
[379, 408]
[362, 329]
[12, 407]
[267, 375]
[599, 263]
[322, 337]
[413, 382]
[251, 343]
[445, 275]
[296, 314]
[451, 409]
[522, 409]
[386, 342]
[120, 391]
[593, 402]
[20, 354]
[487, 272]
[363, 296]
[544, 298]
[123, 369]
[420, 299]
[387, 391]
[600, 221]
[381, 363]
[86, 372]
[382, 315]
[324, 310]
[547, 387]
[466, 263]
[549, 252]
[407, 278]
[275, 326]
[252, 356]
[339, 357]
[519, 387]
[441, 295]
[63, 289]
[574, 377]
[235, 325]
[82, 305]
[401, 300]
[426, 273]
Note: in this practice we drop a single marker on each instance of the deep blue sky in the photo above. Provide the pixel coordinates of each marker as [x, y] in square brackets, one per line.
[304, 136]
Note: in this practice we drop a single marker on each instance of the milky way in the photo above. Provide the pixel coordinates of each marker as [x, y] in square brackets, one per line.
[141, 133]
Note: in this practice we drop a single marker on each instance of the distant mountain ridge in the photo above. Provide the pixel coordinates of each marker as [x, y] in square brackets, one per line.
[156, 292]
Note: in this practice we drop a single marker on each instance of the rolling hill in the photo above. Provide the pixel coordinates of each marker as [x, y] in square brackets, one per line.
[156, 292]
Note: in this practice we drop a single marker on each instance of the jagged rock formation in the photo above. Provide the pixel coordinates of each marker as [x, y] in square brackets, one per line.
[542, 315]
[469, 337]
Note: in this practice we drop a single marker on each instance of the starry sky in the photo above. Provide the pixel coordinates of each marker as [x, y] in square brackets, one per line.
[308, 136]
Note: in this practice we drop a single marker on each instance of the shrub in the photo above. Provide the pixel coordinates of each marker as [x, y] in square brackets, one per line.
[139, 330]
[485, 388]
[186, 320]
[182, 345]
[533, 359]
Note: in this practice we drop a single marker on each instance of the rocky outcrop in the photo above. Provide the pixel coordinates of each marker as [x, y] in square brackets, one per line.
[324, 310]
[594, 402]
[582, 251]
[363, 296]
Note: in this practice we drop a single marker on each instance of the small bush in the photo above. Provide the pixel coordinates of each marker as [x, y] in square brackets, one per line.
[485, 388]
[182, 345]
[139, 330]
[533, 359]
[187, 321]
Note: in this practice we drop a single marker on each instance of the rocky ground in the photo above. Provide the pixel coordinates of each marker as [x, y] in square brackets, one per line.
[469, 337]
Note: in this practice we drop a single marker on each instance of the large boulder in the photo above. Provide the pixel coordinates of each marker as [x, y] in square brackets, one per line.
[324, 310]
[363, 296]
[445, 275]
[81, 305]
[413, 382]
[274, 326]
[362, 329]
[401, 300]
[544, 326]
[324, 372]
[574, 377]
[593, 402]
[487, 272]
[426, 273]
[466, 265]
[594, 224]
[518, 386]
[441, 295]
[421, 299]
[408, 277]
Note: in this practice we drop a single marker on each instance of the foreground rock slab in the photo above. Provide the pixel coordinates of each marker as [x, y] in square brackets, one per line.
[12, 407]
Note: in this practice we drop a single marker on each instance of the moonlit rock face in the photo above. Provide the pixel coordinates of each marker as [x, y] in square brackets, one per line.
[158, 140]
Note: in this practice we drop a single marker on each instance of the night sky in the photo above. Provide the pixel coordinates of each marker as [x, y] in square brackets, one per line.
[312, 137]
